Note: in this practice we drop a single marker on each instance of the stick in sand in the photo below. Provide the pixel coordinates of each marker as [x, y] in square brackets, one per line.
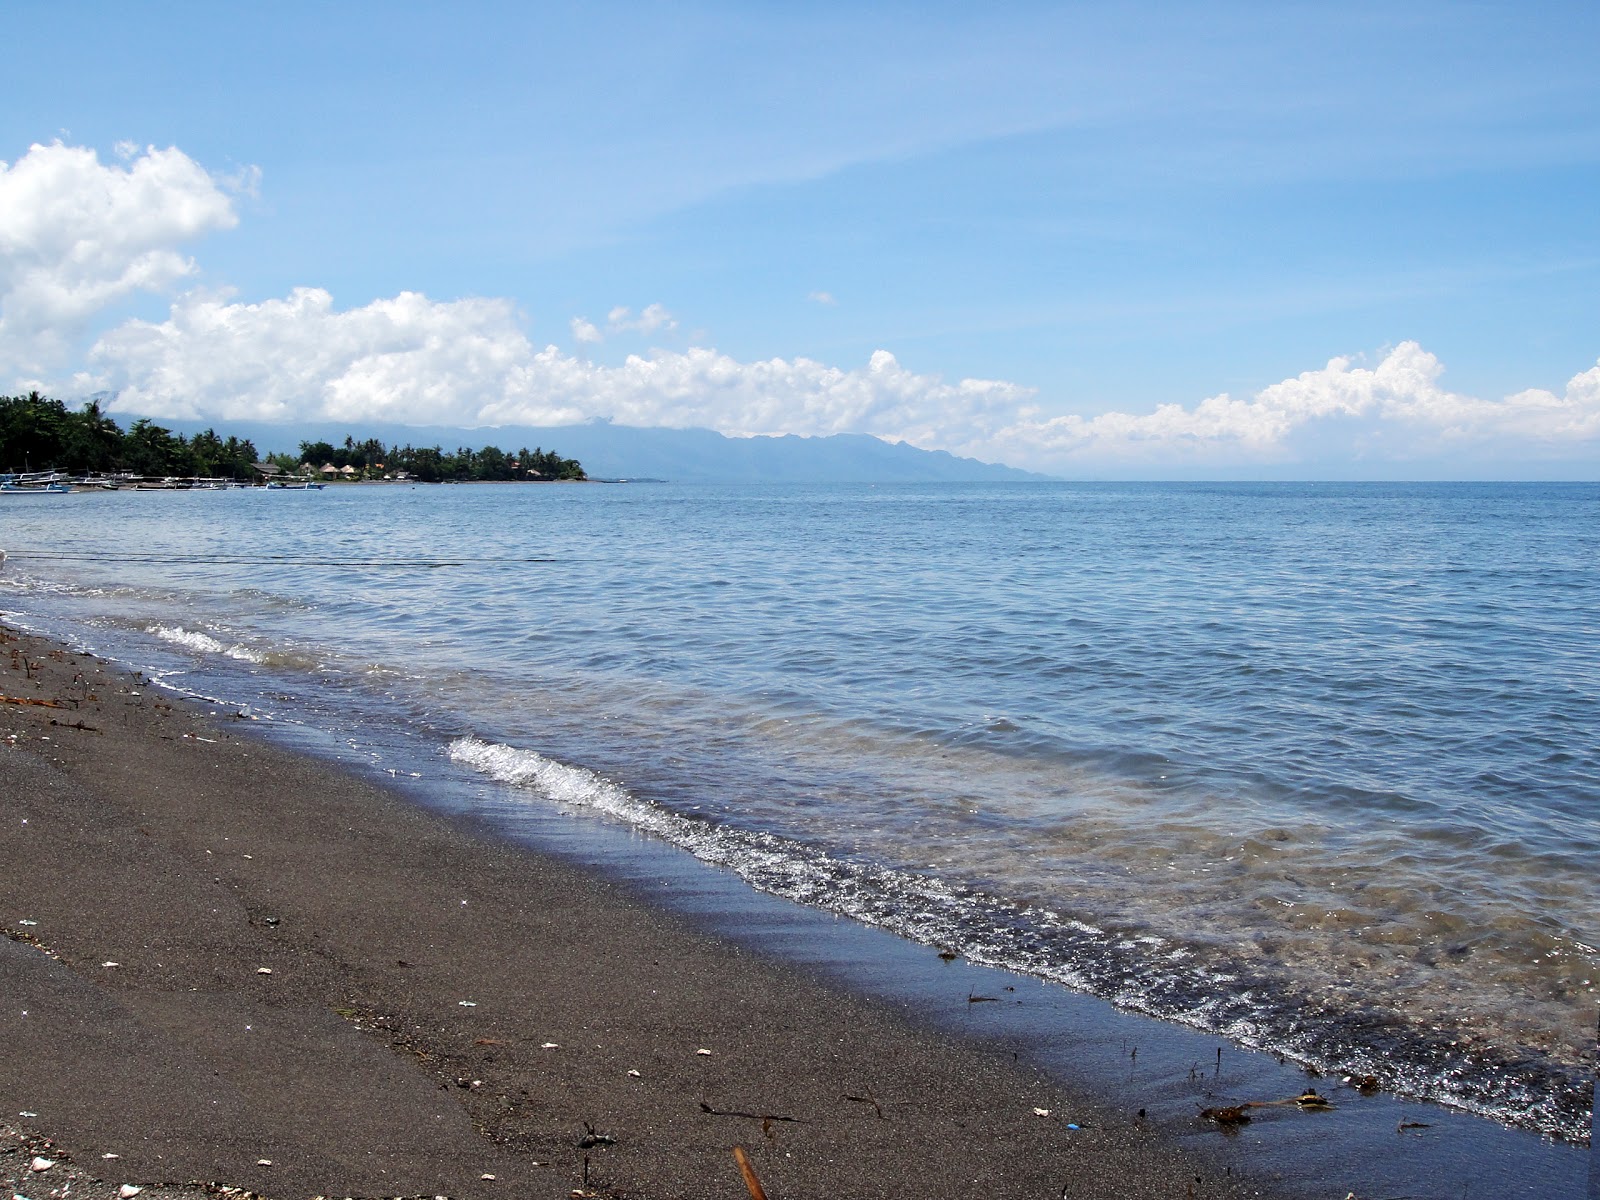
[749, 1173]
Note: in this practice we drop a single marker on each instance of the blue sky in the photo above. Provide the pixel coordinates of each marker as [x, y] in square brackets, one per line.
[1164, 240]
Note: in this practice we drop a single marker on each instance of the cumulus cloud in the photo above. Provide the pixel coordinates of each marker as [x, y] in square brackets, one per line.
[414, 360]
[823, 298]
[1397, 410]
[78, 235]
[466, 362]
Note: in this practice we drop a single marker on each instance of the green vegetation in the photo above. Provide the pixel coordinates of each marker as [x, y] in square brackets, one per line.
[372, 459]
[41, 434]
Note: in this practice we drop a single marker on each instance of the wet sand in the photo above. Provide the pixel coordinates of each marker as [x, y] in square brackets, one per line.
[232, 965]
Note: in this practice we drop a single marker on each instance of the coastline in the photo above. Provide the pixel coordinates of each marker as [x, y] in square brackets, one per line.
[313, 971]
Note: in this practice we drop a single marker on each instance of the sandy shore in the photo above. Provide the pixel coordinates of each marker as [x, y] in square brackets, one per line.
[231, 965]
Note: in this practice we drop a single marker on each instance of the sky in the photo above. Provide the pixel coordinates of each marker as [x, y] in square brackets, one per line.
[1149, 240]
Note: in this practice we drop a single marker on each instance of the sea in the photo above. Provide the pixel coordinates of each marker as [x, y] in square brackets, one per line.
[1313, 767]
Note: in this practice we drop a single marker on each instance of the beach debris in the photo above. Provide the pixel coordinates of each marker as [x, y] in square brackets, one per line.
[869, 1098]
[751, 1182]
[1405, 1125]
[263, 970]
[110, 966]
[128, 1191]
[78, 724]
[949, 955]
[27, 1114]
[110, 1155]
[467, 1003]
[39, 1165]
[1238, 1114]
[749, 1116]
[1041, 1112]
[263, 1162]
[703, 1051]
[592, 1137]
[550, 1046]
[634, 1074]
[1365, 1084]
[487, 1176]
[973, 998]
[25, 921]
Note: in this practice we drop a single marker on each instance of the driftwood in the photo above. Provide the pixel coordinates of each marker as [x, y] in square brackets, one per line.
[749, 1173]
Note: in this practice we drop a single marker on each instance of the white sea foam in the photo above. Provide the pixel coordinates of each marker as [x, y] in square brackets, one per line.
[203, 643]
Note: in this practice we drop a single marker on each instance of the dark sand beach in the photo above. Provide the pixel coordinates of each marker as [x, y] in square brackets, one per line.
[233, 966]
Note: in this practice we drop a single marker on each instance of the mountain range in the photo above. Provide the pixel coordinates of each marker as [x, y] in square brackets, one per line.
[610, 451]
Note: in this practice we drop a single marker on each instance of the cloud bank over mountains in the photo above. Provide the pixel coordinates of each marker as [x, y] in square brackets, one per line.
[82, 241]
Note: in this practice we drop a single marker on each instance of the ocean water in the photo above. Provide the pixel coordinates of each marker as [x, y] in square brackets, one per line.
[1312, 766]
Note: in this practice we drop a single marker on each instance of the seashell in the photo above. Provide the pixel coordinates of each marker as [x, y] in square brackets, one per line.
[41, 1164]
[704, 1051]
[127, 1191]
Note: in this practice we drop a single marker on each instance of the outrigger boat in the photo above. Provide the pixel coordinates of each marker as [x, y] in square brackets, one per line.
[36, 483]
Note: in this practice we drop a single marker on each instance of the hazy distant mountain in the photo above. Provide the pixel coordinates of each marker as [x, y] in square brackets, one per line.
[622, 452]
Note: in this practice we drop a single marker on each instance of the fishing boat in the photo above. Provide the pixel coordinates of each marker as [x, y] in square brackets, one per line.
[35, 483]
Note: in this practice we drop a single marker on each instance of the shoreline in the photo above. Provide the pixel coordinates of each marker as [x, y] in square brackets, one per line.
[313, 971]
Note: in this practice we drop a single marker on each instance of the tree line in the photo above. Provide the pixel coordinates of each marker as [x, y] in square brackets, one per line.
[38, 433]
[432, 464]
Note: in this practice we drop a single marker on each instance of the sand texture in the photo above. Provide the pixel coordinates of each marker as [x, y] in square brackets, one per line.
[230, 965]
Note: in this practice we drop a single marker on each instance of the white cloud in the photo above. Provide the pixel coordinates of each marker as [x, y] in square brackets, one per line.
[411, 359]
[1396, 411]
[467, 362]
[824, 298]
[651, 320]
[77, 236]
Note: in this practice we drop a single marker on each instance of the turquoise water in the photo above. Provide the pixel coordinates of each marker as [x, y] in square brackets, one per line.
[1313, 766]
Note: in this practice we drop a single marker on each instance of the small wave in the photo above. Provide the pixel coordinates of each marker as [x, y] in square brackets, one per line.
[1141, 973]
[203, 643]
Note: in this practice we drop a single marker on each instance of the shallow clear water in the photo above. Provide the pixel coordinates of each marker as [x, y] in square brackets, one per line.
[1312, 765]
